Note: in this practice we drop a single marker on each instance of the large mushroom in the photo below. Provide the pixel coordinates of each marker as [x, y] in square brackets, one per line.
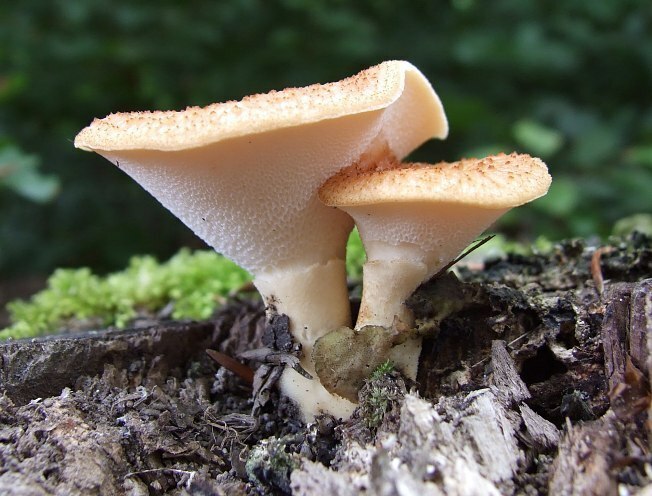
[415, 218]
[244, 177]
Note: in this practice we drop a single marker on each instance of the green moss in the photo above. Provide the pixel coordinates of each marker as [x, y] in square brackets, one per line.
[377, 403]
[379, 395]
[191, 282]
[385, 368]
[377, 400]
[355, 256]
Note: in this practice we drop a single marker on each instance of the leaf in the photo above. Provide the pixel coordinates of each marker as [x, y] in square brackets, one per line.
[19, 172]
[562, 198]
[637, 222]
[537, 138]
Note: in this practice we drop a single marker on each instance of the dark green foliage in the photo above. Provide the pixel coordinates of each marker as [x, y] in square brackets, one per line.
[569, 81]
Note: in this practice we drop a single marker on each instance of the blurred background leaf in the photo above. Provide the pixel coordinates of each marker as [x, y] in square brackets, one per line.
[19, 173]
[537, 139]
[569, 81]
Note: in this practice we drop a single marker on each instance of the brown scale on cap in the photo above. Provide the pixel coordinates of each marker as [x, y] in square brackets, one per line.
[371, 89]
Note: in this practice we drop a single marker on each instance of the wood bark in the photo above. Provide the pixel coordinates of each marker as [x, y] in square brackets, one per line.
[532, 380]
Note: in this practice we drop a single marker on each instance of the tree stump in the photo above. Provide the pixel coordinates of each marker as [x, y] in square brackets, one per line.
[534, 379]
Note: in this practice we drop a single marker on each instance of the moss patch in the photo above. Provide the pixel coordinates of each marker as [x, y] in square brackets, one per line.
[188, 286]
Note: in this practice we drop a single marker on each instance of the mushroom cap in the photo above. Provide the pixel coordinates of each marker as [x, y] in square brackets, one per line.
[495, 182]
[429, 213]
[371, 89]
[415, 218]
[244, 175]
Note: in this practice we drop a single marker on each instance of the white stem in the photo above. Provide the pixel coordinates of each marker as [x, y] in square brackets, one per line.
[316, 300]
[406, 244]
[314, 297]
[405, 356]
[387, 284]
[313, 399]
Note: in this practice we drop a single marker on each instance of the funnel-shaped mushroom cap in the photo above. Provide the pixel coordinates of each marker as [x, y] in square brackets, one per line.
[418, 217]
[243, 175]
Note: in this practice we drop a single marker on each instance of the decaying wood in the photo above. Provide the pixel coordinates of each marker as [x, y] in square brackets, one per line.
[585, 457]
[485, 441]
[531, 381]
[464, 444]
[640, 324]
[614, 332]
[505, 375]
[43, 367]
[643, 302]
[543, 434]
[589, 453]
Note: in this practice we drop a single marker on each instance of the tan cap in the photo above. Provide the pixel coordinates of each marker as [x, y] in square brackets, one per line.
[498, 181]
[371, 89]
[244, 175]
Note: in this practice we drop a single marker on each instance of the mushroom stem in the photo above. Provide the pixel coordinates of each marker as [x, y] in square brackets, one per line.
[426, 238]
[387, 284]
[313, 398]
[294, 292]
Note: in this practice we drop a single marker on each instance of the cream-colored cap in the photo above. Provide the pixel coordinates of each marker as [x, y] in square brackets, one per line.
[415, 218]
[371, 89]
[244, 175]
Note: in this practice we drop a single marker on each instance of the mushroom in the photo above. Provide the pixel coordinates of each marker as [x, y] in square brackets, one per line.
[244, 177]
[415, 218]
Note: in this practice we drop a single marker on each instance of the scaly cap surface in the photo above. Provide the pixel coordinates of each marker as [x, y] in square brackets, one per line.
[244, 175]
[499, 181]
[371, 89]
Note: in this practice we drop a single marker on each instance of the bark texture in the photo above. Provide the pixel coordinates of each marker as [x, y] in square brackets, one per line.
[534, 379]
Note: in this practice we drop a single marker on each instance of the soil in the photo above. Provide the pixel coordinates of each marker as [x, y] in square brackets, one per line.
[534, 379]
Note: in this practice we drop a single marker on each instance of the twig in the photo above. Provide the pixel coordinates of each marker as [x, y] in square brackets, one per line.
[233, 426]
[463, 255]
[186, 475]
[596, 270]
[240, 369]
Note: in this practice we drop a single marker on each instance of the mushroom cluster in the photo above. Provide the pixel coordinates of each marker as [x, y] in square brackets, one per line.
[245, 176]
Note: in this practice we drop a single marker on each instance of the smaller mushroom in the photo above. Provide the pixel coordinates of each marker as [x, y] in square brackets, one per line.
[415, 218]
